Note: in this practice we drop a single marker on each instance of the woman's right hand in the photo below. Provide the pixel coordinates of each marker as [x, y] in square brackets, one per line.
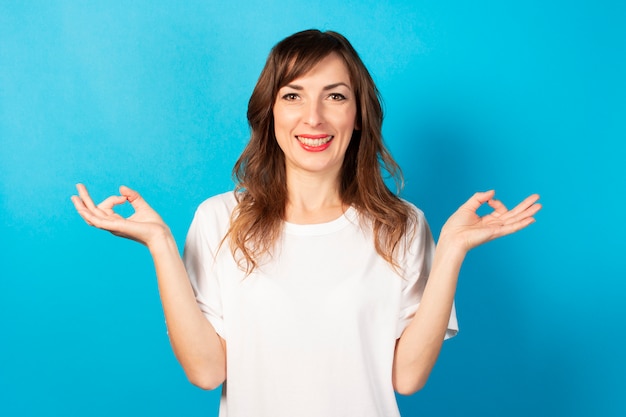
[144, 226]
[200, 350]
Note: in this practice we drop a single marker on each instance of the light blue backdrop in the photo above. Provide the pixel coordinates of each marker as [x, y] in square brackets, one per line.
[518, 96]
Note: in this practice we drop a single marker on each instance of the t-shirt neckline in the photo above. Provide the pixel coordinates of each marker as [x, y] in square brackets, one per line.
[348, 217]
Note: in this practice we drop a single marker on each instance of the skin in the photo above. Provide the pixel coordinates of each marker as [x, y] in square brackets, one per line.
[198, 348]
[419, 346]
[320, 103]
[312, 108]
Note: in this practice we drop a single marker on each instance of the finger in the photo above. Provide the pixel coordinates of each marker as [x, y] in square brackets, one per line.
[78, 203]
[108, 204]
[95, 218]
[89, 204]
[85, 197]
[81, 208]
[134, 198]
[510, 228]
[521, 221]
[530, 211]
[526, 203]
[478, 199]
[91, 217]
[527, 208]
[497, 206]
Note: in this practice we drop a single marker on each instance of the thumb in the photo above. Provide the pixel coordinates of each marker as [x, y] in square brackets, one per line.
[133, 197]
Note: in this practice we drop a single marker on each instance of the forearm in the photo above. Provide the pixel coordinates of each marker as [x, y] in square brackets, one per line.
[419, 346]
[196, 345]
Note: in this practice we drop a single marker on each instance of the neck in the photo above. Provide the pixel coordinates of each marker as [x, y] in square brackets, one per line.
[312, 199]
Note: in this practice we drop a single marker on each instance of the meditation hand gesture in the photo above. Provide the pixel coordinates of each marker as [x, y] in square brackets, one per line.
[144, 226]
[465, 229]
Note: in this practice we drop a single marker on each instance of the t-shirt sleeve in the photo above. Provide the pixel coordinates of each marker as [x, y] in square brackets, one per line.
[417, 262]
[199, 259]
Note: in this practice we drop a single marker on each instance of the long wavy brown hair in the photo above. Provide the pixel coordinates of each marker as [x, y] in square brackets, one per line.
[259, 173]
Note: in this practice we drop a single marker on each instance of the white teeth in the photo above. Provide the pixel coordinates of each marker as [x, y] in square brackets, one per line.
[314, 142]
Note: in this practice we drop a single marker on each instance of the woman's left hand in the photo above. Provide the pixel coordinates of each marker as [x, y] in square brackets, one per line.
[465, 229]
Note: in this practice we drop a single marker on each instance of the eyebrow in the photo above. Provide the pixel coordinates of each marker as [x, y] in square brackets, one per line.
[326, 88]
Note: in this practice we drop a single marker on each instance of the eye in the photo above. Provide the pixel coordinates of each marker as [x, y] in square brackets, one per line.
[337, 97]
[290, 97]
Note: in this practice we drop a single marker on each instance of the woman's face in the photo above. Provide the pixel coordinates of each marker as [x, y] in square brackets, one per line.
[314, 118]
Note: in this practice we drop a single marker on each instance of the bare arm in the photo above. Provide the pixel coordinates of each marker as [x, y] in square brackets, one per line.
[198, 348]
[419, 346]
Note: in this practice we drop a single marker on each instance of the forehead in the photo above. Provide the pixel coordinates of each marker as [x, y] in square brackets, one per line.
[332, 69]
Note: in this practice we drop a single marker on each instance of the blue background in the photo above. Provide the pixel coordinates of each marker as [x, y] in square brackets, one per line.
[518, 96]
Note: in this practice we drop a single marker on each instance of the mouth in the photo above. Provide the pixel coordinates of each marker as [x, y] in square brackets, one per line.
[314, 142]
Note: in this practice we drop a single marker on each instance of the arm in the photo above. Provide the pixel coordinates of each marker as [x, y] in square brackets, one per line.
[418, 347]
[198, 348]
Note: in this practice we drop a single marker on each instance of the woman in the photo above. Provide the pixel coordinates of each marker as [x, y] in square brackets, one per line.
[300, 290]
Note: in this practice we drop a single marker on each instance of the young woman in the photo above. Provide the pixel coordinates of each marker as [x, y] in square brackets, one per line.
[312, 289]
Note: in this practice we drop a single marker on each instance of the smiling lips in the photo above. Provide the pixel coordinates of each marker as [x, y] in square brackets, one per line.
[314, 143]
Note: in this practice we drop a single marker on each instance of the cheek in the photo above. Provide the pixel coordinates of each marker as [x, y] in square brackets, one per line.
[276, 116]
[282, 128]
[349, 120]
[282, 119]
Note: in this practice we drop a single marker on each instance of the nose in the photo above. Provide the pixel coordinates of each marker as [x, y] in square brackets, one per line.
[313, 113]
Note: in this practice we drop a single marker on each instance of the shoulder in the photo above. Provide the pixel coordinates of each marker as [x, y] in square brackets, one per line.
[406, 216]
[220, 202]
[416, 218]
[216, 210]
[414, 209]
[418, 236]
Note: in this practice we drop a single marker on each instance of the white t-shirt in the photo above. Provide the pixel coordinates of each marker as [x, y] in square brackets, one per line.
[312, 331]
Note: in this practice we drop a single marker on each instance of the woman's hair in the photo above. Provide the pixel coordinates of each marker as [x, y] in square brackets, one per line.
[260, 175]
